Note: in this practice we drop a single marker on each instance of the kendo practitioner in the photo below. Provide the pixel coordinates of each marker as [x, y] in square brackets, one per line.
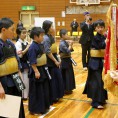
[22, 47]
[9, 64]
[39, 93]
[94, 87]
[65, 49]
[56, 81]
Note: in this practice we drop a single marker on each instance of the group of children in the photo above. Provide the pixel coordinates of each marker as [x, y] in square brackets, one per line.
[45, 77]
[49, 78]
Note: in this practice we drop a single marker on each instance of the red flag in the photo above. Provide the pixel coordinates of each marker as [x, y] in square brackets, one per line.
[106, 58]
[117, 36]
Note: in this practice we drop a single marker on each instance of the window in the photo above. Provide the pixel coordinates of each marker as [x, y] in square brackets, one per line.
[105, 0]
[73, 1]
[82, 2]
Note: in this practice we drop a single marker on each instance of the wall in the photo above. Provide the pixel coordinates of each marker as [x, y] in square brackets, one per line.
[46, 8]
[53, 8]
[12, 8]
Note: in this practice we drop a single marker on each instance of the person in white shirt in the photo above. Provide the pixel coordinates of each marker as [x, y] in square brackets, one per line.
[22, 47]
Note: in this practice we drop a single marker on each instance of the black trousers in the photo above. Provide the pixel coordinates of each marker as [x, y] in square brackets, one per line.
[86, 53]
[75, 30]
[14, 91]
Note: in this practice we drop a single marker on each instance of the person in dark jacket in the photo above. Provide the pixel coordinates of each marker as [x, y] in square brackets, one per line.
[86, 38]
[94, 87]
[74, 25]
[20, 24]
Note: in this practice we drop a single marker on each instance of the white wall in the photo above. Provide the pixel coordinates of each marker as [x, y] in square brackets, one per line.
[39, 21]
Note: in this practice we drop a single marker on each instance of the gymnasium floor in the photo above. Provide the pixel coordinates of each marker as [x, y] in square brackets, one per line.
[77, 105]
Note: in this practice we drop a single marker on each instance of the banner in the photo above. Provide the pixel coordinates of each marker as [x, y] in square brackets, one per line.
[110, 77]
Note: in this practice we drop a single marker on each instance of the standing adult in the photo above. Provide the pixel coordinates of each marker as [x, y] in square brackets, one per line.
[74, 25]
[87, 28]
[20, 24]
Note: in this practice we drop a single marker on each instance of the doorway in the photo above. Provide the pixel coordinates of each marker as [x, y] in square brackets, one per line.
[27, 19]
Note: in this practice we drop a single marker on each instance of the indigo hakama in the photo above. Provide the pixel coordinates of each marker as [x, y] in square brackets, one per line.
[8, 51]
[56, 83]
[39, 96]
[66, 66]
[94, 87]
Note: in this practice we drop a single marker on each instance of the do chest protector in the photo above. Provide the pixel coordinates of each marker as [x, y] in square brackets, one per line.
[42, 60]
[53, 48]
[8, 63]
[9, 66]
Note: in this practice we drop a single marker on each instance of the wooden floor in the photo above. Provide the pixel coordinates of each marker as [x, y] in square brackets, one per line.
[77, 105]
